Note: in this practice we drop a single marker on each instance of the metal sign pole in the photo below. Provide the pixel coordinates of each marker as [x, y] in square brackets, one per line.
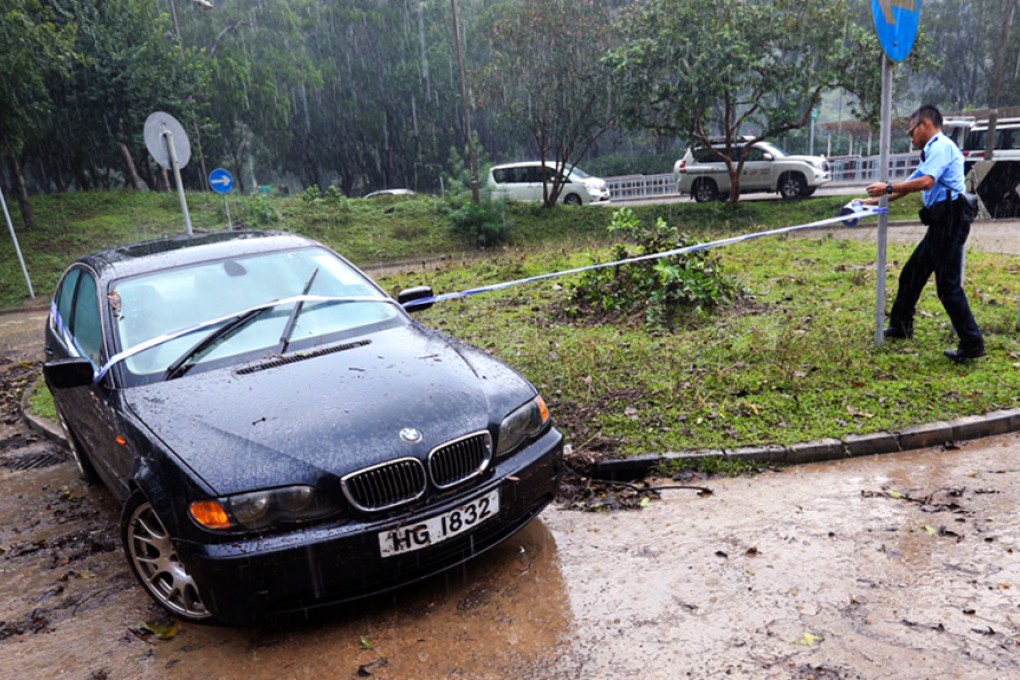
[226, 206]
[17, 247]
[168, 138]
[883, 219]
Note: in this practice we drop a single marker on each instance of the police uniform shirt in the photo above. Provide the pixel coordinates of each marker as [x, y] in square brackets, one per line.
[942, 161]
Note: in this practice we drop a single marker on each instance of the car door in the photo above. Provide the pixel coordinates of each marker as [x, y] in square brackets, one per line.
[530, 177]
[757, 173]
[76, 330]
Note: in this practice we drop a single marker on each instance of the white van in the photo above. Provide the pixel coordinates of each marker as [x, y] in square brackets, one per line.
[523, 182]
[1007, 140]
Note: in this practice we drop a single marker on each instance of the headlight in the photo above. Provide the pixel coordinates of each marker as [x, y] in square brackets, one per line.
[263, 509]
[523, 424]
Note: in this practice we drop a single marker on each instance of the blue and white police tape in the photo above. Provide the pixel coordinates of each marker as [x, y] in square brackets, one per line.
[854, 207]
[188, 330]
[864, 211]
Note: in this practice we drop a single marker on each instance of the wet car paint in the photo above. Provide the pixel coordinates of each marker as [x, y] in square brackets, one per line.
[308, 419]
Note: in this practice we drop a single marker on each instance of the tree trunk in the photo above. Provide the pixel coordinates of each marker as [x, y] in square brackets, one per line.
[129, 169]
[21, 191]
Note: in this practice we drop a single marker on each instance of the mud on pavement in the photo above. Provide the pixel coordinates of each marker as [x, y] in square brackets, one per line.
[897, 566]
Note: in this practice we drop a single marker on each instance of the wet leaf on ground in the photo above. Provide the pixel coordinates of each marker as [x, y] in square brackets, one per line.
[809, 640]
[162, 632]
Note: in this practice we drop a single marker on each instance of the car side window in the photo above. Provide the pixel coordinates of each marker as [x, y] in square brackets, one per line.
[705, 155]
[66, 295]
[754, 154]
[501, 175]
[86, 326]
[1008, 141]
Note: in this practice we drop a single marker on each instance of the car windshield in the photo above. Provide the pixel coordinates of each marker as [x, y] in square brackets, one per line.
[578, 173]
[160, 303]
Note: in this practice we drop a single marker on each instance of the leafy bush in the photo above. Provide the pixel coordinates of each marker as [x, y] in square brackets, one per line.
[661, 289]
[261, 210]
[311, 194]
[481, 225]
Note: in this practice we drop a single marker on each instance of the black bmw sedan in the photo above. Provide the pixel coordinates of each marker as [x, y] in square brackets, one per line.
[281, 434]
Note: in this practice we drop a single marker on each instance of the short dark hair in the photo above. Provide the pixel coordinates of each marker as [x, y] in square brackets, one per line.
[927, 112]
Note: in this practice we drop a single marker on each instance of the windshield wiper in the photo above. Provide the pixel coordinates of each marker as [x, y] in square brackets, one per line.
[180, 366]
[292, 319]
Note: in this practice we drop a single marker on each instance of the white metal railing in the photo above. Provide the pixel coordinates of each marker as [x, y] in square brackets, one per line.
[632, 187]
[864, 169]
[845, 170]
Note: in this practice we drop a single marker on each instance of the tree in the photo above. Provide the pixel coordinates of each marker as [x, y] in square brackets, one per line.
[546, 76]
[35, 49]
[733, 67]
[128, 68]
[967, 46]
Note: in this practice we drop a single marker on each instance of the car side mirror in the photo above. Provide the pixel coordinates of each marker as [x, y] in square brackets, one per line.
[66, 373]
[769, 157]
[416, 299]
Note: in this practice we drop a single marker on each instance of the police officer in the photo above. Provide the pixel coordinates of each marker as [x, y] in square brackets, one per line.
[947, 214]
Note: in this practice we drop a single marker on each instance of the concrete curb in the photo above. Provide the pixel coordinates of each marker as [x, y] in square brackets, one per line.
[41, 426]
[851, 446]
[912, 437]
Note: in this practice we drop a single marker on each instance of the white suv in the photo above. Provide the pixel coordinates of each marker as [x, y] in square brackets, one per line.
[523, 182]
[1007, 140]
[703, 175]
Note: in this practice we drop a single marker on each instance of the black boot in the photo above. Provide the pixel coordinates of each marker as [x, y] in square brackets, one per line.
[899, 331]
[965, 352]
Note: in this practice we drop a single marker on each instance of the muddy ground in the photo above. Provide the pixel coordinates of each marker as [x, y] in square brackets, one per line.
[895, 566]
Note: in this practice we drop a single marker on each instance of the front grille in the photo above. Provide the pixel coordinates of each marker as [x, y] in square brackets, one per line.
[385, 486]
[460, 460]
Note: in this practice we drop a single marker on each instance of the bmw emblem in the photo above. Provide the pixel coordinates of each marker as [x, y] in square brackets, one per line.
[410, 435]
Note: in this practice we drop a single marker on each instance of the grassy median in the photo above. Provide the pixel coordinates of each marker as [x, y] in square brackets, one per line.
[792, 359]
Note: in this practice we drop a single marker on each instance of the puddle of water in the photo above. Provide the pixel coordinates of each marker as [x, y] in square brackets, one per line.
[811, 570]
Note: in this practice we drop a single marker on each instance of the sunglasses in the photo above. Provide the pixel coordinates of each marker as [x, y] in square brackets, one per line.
[910, 130]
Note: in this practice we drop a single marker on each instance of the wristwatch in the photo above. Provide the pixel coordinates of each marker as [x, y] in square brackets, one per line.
[888, 188]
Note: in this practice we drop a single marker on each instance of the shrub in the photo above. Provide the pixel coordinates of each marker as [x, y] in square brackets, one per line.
[261, 210]
[661, 290]
[481, 225]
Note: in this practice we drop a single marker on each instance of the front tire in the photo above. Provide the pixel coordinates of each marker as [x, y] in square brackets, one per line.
[704, 190]
[792, 185]
[153, 559]
[572, 199]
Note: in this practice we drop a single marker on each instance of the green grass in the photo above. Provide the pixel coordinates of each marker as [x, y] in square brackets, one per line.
[795, 362]
[41, 402]
[366, 231]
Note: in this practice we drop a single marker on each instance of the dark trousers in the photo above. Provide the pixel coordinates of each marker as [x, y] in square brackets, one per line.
[940, 252]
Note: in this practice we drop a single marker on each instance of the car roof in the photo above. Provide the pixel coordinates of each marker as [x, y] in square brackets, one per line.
[167, 253]
[1000, 124]
[524, 164]
[390, 192]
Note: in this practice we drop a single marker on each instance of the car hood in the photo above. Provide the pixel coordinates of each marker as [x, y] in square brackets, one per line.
[330, 413]
[813, 160]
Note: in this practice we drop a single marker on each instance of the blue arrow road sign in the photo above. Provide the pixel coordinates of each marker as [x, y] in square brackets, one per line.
[221, 181]
[896, 22]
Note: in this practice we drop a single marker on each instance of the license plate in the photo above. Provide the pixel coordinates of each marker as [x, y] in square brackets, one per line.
[439, 528]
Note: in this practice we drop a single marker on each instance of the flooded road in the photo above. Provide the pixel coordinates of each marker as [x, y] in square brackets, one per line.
[894, 566]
